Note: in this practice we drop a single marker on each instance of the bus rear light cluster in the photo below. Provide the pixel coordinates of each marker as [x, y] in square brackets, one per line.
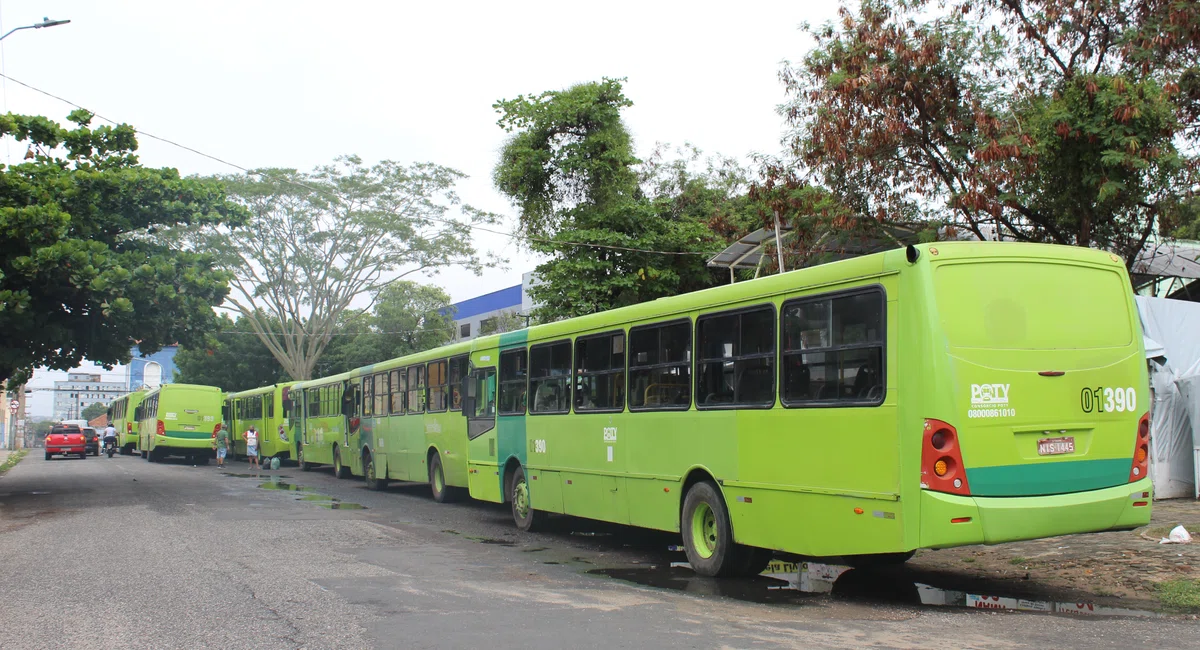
[216, 429]
[1141, 451]
[161, 429]
[941, 460]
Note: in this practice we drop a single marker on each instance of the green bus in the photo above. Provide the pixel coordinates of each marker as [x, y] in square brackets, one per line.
[266, 408]
[179, 420]
[934, 396]
[121, 415]
[322, 422]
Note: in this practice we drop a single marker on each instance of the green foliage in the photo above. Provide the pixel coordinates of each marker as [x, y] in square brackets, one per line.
[81, 273]
[1057, 121]
[407, 318]
[93, 411]
[231, 358]
[318, 241]
[1180, 594]
[618, 231]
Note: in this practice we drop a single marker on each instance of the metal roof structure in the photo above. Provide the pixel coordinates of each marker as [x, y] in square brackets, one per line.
[1177, 259]
[746, 252]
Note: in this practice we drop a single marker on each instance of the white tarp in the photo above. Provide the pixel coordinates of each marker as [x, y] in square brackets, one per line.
[1174, 325]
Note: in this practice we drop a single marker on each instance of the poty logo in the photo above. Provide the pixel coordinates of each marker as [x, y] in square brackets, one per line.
[989, 394]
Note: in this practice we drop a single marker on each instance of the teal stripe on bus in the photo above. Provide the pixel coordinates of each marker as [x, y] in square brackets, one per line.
[1035, 479]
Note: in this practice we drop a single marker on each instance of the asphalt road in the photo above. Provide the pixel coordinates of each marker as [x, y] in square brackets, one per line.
[122, 553]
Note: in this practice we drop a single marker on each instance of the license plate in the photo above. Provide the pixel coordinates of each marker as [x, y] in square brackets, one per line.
[186, 428]
[1055, 446]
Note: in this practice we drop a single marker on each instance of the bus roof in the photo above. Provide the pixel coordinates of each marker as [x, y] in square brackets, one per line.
[260, 390]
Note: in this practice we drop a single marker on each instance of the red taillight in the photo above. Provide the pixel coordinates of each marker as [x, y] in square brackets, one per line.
[129, 427]
[1141, 451]
[941, 460]
[161, 430]
[216, 429]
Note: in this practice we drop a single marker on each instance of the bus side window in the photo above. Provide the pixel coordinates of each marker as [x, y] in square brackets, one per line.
[833, 349]
[480, 402]
[736, 364]
[514, 374]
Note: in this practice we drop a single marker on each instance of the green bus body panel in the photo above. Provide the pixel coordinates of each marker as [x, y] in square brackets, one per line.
[269, 443]
[1036, 479]
[992, 338]
[126, 425]
[188, 413]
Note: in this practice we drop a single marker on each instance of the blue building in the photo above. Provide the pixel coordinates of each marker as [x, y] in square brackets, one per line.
[479, 316]
[152, 370]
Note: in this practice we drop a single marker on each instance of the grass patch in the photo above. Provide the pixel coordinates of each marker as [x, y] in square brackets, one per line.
[1180, 594]
[968, 560]
[13, 458]
[1019, 560]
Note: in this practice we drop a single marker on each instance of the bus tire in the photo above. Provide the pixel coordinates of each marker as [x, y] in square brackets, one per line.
[707, 535]
[339, 470]
[753, 560]
[143, 453]
[526, 518]
[373, 481]
[437, 481]
[304, 467]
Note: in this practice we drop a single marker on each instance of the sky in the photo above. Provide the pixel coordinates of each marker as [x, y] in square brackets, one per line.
[295, 84]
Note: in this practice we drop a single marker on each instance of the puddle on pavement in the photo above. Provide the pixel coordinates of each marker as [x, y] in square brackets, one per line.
[536, 549]
[791, 581]
[452, 532]
[489, 540]
[316, 497]
[342, 506]
[285, 486]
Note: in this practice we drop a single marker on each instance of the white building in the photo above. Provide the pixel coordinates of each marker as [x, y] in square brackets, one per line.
[80, 391]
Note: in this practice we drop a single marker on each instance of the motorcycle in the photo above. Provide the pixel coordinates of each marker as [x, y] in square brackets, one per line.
[110, 446]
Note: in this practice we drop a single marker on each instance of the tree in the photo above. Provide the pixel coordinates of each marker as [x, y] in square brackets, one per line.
[81, 271]
[407, 318]
[93, 411]
[586, 201]
[1048, 120]
[318, 241]
[231, 358]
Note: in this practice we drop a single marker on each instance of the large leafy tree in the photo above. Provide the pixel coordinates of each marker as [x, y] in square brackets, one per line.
[81, 271]
[232, 358]
[617, 231]
[1047, 120]
[407, 318]
[318, 241]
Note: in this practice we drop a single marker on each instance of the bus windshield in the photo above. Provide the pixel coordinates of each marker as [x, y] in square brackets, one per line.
[1028, 305]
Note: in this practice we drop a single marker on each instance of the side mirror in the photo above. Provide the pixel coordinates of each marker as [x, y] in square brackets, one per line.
[468, 406]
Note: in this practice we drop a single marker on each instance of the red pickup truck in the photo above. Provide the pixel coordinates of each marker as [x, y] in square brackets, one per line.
[66, 439]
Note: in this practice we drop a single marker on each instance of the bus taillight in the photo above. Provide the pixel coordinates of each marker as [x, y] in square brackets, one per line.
[216, 429]
[160, 429]
[941, 459]
[1141, 451]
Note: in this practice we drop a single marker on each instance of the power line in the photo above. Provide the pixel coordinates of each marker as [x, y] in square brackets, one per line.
[449, 222]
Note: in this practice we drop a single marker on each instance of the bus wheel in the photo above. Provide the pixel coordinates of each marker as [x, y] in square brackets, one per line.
[373, 481]
[753, 560]
[437, 481]
[526, 518]
[143, 453]
[304, 467]
[339, 470]
[707, 536]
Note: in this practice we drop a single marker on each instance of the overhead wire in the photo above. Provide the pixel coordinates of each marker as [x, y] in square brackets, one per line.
[448, 222]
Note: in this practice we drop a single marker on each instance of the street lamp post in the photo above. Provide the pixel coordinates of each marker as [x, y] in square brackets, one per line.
[46, 22]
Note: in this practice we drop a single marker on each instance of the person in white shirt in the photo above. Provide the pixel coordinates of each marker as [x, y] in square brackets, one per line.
[110, 435]
[251, 438]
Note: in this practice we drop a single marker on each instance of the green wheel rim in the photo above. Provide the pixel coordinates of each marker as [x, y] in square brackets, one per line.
[521, 498]
[704, 531]
[439, 482]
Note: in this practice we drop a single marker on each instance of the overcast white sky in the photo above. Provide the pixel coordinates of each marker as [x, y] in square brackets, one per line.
[294, 84]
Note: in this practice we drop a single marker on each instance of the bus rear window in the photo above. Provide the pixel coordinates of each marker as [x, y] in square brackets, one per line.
[1032, 306]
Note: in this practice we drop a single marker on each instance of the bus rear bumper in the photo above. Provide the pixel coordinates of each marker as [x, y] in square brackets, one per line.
[951, 520]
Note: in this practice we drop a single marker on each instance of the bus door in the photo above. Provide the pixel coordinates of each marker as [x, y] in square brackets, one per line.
[352, 431]
[479, 408]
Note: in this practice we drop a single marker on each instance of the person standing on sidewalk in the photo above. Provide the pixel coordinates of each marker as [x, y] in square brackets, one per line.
[221, 444]
[251, 438]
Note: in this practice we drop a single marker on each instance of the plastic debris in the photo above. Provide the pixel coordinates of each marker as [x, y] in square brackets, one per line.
[1178, 535]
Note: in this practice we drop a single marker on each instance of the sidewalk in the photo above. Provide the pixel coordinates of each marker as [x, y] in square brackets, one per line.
[1115, 568]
